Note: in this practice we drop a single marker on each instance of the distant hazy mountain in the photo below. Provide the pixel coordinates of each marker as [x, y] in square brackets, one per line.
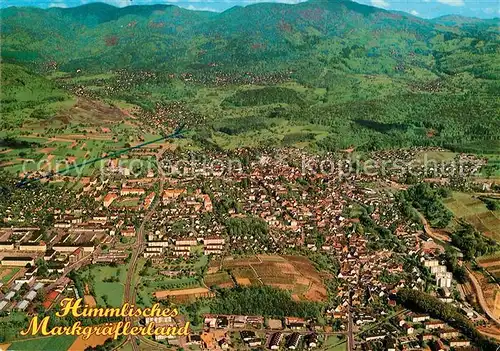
[338, 34]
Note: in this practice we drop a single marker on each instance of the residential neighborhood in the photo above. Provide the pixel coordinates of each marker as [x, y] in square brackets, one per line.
[336, 240]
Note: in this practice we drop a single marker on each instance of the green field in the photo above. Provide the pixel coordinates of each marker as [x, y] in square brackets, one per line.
[438, 156]
[126, 347]
[8, 273]
[492, 167]
[110, 291]
[496, 255]
[51, 343]
[421, 83]
[472, 209]
[222, 279]
[332, 344]
[152, 280]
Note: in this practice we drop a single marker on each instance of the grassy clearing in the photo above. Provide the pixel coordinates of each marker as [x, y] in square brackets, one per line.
[334, 343]
[276, 133]
[6, 274]
[438, 156]
[110, 291]
[52, 343]
[220, 279]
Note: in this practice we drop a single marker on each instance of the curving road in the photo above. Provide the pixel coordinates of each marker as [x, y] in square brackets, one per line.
[480, 296]
[475, 283]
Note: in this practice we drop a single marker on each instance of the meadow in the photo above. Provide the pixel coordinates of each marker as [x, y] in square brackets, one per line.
[6, 273]
[107, 283]
[52, 343]
[491, 263]
[334, 343]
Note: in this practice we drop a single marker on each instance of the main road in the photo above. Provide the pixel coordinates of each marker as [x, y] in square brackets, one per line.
[350, 326]
[130, 287]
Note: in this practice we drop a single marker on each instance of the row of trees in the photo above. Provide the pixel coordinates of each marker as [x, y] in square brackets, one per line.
[428, 201]
[263, 301]
[249, 226]
[421, 301]
[472, 242]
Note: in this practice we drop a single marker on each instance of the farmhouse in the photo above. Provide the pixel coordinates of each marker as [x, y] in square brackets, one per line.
[295, 323]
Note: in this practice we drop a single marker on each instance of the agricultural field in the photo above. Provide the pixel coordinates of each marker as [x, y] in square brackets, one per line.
[52, 343]
[126, 347]
[472, 209]
[88, 298]
[491, 291]
[70, 132]
[293, 273]
[491, 263]
[219, 279]
[436, 156]
[492, 168]
[183, 295]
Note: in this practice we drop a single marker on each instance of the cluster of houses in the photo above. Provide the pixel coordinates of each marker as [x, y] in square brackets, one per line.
[300, 210]
[21, 251]
[274, 334]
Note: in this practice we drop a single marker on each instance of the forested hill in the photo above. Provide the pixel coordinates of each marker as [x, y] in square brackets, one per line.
[338, 34]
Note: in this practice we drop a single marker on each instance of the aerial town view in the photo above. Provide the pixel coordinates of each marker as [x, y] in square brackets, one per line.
[248, 175]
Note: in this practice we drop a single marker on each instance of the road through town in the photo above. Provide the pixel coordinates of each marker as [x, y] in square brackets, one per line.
[130, 284]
